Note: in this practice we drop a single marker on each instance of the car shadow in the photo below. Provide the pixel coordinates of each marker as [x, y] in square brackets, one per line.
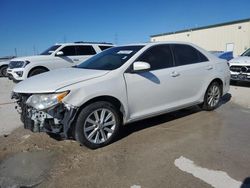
[164, 118]
[240, 84]
[225, 99]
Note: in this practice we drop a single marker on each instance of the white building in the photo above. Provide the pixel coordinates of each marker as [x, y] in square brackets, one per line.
[231, 36]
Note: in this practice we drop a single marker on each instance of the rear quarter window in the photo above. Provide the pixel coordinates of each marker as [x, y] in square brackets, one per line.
[185, 55]
[85, 50]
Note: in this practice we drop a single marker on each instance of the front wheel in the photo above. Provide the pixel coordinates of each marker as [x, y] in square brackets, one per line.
[212, 97]
[97, 124]
[3, 71]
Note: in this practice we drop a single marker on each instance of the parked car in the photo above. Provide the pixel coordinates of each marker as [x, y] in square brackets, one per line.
[240, 67]
[4, 62]
[223, 55]
[57, 56]
[118, 86]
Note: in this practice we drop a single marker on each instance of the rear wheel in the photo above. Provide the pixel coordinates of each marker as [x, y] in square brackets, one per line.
[97, 124]
[3, 71]
[37, 71]
[212, 97]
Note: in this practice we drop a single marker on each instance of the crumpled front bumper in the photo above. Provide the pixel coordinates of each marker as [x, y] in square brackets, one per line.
[58, 119]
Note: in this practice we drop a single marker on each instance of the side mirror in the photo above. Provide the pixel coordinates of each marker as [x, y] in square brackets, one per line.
[60, 53]
[141, 66]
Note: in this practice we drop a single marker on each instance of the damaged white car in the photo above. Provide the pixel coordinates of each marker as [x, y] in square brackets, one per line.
[118, 86]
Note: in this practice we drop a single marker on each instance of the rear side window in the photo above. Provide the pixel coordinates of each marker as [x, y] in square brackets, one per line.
[158, 57]
[85, 50]
[185, 55]
[104, 47]
[69, 51]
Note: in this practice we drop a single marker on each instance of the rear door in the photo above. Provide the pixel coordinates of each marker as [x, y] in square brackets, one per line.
[193, 70]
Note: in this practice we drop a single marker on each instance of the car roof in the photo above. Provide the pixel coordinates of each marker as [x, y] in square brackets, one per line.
[86, 43]
[156, 43]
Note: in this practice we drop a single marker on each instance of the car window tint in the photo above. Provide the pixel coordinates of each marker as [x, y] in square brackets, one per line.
[104, 47]
[158, 57]
[110, 59]
[85, 50]
[69, 51]
[185, 55]
[203, 58]
[246, 53]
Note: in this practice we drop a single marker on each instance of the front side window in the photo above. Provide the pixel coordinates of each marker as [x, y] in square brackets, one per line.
[158, 57]
[110, 59]
[50, 50]
[185, 55]
[246, 53]
[85, 50]
[69, 51]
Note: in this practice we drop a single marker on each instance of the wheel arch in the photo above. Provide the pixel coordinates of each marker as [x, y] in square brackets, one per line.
[107, 98]
[219, 81]
[5, 65]
[37, 67]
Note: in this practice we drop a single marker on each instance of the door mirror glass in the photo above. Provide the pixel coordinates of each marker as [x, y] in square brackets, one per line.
[141, 66]
[60, 53]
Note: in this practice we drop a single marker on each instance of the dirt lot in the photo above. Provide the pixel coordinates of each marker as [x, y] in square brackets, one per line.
[188, 148]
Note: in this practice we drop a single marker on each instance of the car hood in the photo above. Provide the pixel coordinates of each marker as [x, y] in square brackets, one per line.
[51, 81]
[242, 60]
[32, 58]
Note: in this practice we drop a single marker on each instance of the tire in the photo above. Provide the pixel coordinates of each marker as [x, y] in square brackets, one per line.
[3, 71]
[212, 97]
[91, 130]
[36, 71]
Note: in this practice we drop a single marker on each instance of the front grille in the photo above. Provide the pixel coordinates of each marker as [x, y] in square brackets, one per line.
[15, 64]
[242, 69]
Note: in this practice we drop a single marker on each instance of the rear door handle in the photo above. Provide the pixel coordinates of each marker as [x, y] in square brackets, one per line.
[75, 59]
[175, 74]
[209, 67]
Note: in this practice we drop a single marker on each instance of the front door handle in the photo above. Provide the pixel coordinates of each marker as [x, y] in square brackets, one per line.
[75, 59]
[209, 67]
[175, 74]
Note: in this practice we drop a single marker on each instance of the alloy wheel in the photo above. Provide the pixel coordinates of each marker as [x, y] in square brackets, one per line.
[213, 96]
[99, 126]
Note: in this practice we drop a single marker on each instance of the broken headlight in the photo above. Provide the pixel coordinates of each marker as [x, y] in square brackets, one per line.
[44, 101]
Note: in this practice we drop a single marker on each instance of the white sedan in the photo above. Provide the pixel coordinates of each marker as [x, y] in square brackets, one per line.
[121, 85]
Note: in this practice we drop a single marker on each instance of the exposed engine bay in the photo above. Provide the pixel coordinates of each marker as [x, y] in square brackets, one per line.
[57, 119]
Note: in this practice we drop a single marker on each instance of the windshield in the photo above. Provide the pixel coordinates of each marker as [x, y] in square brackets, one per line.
[110, 59]
[246, 53]
[50, 50]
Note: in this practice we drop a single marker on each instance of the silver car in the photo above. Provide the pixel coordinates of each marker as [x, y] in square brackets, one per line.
[121, 85]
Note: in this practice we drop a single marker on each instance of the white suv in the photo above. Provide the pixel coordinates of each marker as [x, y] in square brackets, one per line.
[240, 67]
[4, 62]
[118, 86]
[57, 56]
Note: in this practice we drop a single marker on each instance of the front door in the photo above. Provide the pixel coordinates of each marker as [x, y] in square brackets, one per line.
[151, 91]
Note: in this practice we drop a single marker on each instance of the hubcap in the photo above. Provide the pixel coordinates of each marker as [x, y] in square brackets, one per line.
[213, 96]
[99, 126]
